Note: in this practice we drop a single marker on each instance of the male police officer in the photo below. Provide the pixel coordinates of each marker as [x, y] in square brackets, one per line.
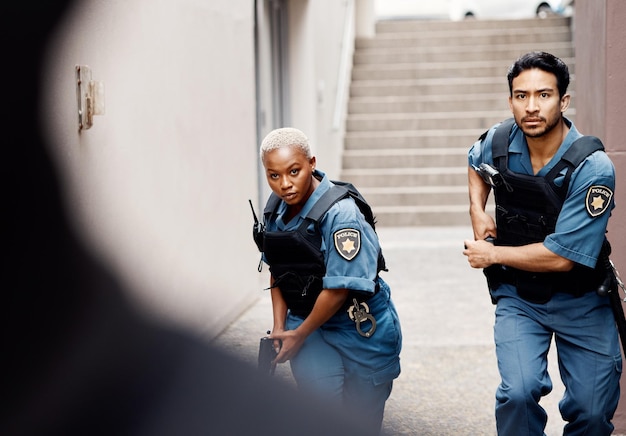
[554, 195]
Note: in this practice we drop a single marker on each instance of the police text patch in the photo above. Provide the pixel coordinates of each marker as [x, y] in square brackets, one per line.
[347, 243]
[598, 200]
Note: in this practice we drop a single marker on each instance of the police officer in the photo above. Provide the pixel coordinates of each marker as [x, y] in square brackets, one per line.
[334, 319]
[553, 200]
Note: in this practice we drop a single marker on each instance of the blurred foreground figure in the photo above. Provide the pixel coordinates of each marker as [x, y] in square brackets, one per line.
[77, 359]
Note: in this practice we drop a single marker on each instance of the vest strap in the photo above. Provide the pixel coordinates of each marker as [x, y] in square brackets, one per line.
[326, 201]
[580, 149]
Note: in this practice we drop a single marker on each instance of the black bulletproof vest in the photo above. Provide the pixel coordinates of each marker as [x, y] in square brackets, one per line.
[295, 258]
[527, 209]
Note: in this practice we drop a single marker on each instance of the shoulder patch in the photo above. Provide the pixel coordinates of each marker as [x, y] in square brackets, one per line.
[598, 200]
[347, 242]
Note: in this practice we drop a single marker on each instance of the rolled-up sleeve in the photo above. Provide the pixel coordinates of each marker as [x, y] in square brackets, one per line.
[345, 269]
[580, 229]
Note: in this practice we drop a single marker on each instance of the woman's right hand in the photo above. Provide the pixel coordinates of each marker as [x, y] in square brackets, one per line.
[287, 343]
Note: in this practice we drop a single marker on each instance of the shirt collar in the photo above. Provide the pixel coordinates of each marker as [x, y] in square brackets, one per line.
[520, 146]
[324, 186]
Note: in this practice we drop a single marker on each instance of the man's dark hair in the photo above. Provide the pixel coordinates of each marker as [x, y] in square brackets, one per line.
[545, 62]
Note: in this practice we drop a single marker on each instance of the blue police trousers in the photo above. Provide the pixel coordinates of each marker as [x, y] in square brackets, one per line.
[341, 366]
[589, 357]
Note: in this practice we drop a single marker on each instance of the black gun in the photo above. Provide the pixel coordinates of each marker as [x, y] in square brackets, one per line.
[267, 354]
[610, 286]
[492, 176]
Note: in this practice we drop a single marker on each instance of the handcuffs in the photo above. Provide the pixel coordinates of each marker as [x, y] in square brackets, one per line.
[360, 313]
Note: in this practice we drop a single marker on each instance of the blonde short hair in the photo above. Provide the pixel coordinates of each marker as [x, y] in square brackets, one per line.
[285, 137]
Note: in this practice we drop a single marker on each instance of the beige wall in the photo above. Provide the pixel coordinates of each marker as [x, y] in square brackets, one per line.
[316, 46]
[160, 184]
[320, 46]
[600, 40]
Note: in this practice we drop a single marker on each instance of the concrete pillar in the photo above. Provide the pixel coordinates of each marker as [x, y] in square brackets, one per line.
[365, 17]
[600, 41]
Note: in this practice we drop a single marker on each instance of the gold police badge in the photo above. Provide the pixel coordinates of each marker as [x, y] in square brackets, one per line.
[347, 243]
[598, 200]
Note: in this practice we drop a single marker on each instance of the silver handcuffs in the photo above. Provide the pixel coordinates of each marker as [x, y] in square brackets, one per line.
[360, 313]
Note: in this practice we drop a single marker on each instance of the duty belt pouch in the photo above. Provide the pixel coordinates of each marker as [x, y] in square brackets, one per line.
[533, 287]
[494, 275]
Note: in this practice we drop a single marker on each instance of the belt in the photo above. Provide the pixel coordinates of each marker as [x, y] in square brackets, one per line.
[536, 287]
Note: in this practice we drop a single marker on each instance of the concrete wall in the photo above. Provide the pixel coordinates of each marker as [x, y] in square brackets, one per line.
[161, 181]
[320, 33]
[320, 45]
[600, 40]
[160, 184]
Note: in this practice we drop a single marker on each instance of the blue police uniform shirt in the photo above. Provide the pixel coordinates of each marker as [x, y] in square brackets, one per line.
[578, 235]
[360, 272]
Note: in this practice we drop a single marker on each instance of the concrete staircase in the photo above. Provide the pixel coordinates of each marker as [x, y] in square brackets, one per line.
[421, 94]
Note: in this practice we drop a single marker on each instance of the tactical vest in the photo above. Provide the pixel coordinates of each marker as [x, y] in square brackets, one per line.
[295, 258]
[527, 209]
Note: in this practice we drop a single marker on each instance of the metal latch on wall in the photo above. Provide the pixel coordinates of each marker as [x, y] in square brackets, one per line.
[90, 97]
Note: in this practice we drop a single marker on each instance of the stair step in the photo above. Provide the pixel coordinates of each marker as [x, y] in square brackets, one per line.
[430, 87]
[431, 103]
[495, 52]
[424, 138]
[427, 103]
[417, 216]
[460, 37]
[379, 197]
[427, 70]
[418, 121]
[377, 177]
[403, 26]
[438, 120]
[405, 157]
[423, 87]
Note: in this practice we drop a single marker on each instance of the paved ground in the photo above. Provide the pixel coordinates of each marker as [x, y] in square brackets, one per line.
[449, 372]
